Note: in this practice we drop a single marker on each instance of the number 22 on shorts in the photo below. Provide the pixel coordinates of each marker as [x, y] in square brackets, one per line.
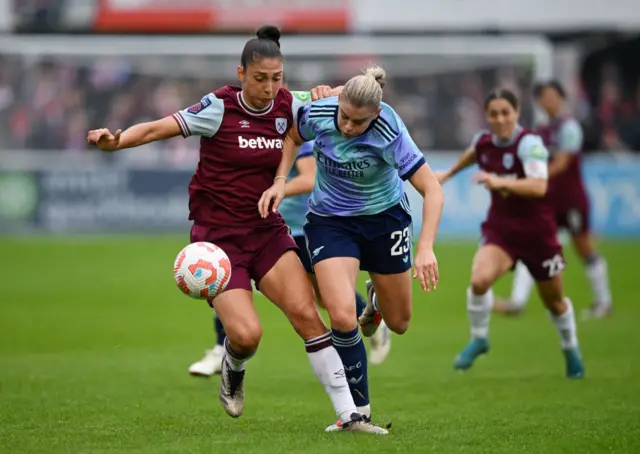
[555, 265]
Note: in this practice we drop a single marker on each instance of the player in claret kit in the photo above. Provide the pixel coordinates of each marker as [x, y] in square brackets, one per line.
[359, 216]
[294, 209]
[520, 225]
[569, 199]
[242, 132]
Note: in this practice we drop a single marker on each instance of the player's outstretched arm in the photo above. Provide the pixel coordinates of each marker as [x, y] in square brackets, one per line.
[274, 195]
[467, 159]
[426, 265]
[306, 178]
[135, 136]
[530, 187]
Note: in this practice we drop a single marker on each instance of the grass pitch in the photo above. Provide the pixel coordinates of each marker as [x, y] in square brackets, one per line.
[95, 341]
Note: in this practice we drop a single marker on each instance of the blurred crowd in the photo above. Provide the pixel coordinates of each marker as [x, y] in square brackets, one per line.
[50, 104]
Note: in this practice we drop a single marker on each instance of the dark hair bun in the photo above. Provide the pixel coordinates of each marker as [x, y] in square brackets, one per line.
[269, 32]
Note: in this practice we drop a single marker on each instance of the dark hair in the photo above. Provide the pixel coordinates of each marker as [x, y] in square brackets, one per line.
[502, 93]
[553, 84]
[266, 45]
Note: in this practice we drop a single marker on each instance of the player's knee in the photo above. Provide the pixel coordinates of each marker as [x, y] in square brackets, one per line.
[557, 307]
[246, 336]
[307, 321]
[398, 325]
[480, 283]
[343, 316]
[555, 304]
[319, 301]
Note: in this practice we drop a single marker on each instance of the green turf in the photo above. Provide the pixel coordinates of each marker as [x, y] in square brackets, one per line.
[95, 341]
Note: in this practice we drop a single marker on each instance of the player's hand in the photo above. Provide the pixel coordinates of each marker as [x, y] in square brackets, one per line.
[426, 268]
[441, 176]
[320, 92]
[103, 139]
[274, 195]
[491, 182]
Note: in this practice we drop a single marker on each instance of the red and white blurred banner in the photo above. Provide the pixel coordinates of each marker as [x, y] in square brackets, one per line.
[189, 16]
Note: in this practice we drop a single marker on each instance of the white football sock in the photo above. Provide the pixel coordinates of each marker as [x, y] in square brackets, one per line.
[327, 366]
[365, 411]
[479, 309]
[598, 275]
[522, 285]
[566, 326]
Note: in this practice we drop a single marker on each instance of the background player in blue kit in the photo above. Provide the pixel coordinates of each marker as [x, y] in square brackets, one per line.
[359, 216]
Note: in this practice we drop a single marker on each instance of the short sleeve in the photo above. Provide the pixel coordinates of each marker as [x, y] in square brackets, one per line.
[476, 138]
[300, 99]
[570, 137]
[305, 125]
[407, 156]
[534, 157]
[306, 150]
[201, 119]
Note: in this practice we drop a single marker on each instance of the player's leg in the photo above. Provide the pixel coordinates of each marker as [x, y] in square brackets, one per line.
[211, 362]
[236, 311]
[305, 258]
[520, 292]
[285, 284]
[595, 264]
[387, 258]
[548, 275]
[335, 255]
[491, 261]
[380, 341]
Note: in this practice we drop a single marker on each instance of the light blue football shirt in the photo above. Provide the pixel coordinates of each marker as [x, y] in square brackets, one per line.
[360, 175]
[294, 209]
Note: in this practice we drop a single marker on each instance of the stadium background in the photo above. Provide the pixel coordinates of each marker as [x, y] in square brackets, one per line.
[94, 341]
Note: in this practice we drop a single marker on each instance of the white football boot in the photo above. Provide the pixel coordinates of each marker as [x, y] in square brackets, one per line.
[371, 317]
[210, 364]
[358, 423]
[380, 344]
[232, 390]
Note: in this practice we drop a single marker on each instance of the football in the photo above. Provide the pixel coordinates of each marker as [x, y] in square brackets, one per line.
[202, 270]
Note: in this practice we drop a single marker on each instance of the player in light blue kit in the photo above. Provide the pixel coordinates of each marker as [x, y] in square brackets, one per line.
[294, 209]
[359, 216]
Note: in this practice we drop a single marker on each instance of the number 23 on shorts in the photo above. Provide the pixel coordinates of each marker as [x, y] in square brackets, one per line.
[402, 244]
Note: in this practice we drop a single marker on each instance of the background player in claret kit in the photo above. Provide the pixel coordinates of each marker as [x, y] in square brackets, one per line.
[294, 209]
[242, 131]
[359, 216]
[569, 199]
[520, 225]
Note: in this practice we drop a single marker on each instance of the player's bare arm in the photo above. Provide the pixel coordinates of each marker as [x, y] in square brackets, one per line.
[560, 163]
[525, 187]
[275, 194]
[426, 265]
[304, 181]
[135, 136]
[467, 159]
